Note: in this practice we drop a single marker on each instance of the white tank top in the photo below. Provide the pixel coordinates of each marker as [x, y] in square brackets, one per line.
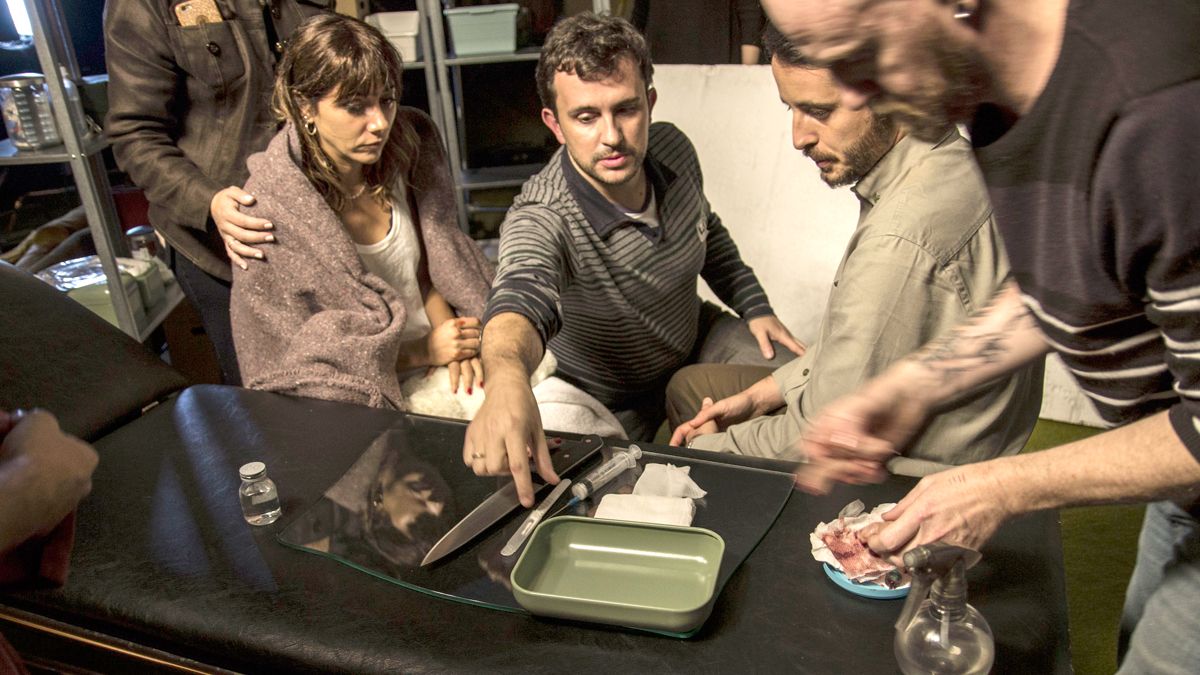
[396, 259]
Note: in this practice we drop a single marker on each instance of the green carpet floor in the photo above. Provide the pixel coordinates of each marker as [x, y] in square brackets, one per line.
[1099, 547]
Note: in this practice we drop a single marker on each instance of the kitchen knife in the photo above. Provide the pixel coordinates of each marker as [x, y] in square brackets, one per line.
[504, 500]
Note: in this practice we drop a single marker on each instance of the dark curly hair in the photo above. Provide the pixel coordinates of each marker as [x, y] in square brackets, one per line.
[591, 47]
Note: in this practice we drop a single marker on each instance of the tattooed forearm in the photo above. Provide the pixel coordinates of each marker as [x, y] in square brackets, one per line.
[984, 346]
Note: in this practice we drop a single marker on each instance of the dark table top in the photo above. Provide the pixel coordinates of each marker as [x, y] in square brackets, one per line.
[164, 559]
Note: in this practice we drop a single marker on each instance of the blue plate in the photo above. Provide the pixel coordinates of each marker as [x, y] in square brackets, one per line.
[866, 590]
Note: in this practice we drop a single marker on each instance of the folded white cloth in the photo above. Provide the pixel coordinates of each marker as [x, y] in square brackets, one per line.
[431, 395]
[565, 407]
[647, 509]
[667, 480]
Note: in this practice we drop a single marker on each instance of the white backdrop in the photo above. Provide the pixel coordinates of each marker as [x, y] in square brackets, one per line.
[789, 226]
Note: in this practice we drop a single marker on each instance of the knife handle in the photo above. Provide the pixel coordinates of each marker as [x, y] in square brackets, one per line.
[568, 454]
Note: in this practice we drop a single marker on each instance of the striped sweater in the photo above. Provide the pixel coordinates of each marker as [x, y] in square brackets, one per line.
[1095, 192]
[613, 299]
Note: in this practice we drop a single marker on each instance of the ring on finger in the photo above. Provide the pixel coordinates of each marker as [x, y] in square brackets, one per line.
[477, 455]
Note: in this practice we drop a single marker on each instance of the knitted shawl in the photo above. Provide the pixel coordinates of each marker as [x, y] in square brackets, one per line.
[310, 320]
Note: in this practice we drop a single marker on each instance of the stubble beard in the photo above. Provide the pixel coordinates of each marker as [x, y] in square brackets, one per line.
[590, 167]
[865, 153]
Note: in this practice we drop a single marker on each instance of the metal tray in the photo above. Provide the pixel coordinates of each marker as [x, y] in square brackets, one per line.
[657, 577]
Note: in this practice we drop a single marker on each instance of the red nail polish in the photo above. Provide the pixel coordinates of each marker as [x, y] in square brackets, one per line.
[469, 391]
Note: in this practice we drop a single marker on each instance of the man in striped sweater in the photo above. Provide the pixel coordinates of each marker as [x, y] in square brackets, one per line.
[599, 257]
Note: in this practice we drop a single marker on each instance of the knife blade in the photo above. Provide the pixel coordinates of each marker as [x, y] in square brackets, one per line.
[504, 500]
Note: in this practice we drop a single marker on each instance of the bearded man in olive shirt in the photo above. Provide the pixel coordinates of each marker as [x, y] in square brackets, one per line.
[925, 255]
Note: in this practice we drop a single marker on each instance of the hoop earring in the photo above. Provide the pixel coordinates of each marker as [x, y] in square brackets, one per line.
[310, 127]
[964, 10]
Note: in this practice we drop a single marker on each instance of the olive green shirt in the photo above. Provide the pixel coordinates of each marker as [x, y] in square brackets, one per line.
[925, 256]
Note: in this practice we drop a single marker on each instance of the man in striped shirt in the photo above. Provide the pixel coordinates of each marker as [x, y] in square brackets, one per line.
[1082, 114]
[599, 257]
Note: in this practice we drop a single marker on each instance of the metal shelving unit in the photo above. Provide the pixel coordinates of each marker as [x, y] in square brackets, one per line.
[481, 59]
[10, 155]
[82, 150]
[448, 86]
[428, 66]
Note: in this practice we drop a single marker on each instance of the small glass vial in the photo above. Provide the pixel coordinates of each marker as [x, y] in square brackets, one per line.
[260, 499]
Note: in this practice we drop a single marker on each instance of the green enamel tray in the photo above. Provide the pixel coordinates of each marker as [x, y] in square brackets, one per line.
[657, 577]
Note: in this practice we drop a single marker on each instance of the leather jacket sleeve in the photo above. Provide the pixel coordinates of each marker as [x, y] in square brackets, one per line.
[189, 104]
[147, 95]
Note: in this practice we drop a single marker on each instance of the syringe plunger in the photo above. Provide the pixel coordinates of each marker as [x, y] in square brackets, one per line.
[620, 462]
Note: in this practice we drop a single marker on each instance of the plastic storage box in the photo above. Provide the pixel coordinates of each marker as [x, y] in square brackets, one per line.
[657, 577]
[487, 29]
[402, 29]
[83, 280]
[148, 276]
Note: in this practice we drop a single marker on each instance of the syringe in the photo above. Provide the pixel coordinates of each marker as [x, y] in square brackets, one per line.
[601, 475]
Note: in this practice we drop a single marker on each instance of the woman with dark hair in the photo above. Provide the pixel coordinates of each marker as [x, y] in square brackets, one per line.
[358, 290]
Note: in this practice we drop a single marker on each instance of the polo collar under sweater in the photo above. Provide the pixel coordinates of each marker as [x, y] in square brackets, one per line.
[602, 214]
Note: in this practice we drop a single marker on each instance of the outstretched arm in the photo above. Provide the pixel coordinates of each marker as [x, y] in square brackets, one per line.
[507, 431]
[965, 505]
[1155, 458]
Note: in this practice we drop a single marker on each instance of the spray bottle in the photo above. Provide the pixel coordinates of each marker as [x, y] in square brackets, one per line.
[941, 633]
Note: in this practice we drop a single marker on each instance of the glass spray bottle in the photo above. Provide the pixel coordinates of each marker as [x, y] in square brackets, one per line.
[941, 633]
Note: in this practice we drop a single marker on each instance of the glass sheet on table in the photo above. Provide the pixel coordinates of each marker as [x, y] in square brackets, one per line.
[411, 486]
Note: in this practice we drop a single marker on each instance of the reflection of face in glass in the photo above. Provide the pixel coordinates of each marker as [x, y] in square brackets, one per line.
[498, 568]
[408, 509]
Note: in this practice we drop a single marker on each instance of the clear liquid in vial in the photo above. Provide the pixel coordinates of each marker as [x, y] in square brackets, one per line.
[259, 497]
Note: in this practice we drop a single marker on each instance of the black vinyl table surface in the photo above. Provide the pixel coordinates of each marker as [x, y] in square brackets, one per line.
[164, 563]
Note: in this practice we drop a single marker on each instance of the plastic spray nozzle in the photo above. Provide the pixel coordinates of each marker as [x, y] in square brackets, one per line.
[940, 567]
